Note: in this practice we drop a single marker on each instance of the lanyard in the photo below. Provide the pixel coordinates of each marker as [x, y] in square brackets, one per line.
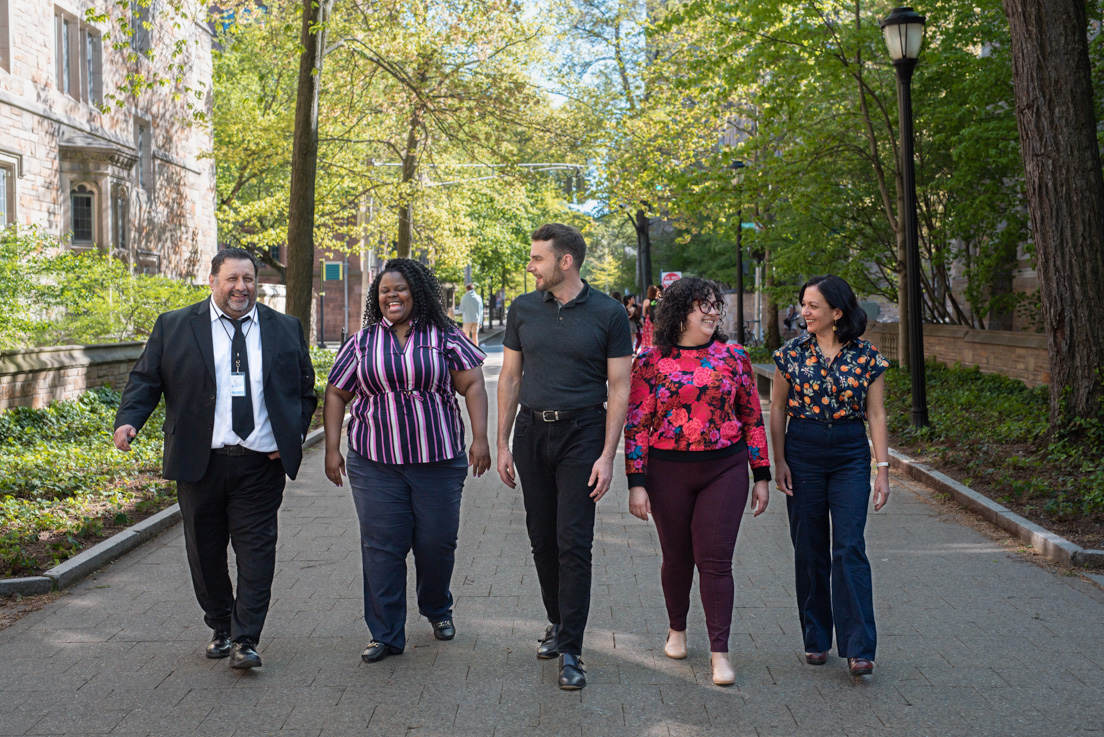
[245, 334]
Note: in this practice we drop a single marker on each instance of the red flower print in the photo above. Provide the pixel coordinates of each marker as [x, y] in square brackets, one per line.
[679, 417]
[667, 365]
[702, 376]
[730, 429]
[688, 393]
[693, 429]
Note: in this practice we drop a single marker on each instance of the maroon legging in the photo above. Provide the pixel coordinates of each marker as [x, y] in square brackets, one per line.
[697, 508]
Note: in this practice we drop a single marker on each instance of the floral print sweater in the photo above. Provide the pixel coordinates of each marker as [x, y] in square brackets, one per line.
[694, 404]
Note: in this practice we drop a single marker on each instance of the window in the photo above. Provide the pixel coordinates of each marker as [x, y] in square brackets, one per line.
[82, 214]
[7, 195]
[78, 58]
[140, 12]
[143, 142]
[63, 36]
[5, 37]
[120, 224]
[92, 62]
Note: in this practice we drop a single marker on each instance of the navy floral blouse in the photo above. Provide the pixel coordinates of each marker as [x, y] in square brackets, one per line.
[825, 391]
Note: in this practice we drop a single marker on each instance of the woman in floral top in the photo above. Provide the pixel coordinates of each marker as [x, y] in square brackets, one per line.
[830, 381]
[693, 426]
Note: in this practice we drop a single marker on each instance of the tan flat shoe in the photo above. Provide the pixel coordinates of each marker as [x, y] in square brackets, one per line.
[675, 650]
[722, 671]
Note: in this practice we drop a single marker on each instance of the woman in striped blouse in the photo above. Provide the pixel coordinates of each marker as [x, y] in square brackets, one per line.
[406, 463]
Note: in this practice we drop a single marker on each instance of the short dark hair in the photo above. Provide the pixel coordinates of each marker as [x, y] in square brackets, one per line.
[564, 239]
[839, 296]
[235, 254]
[679, 301]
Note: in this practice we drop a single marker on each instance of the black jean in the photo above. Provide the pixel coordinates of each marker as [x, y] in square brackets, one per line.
[554, 461]
[235, 502]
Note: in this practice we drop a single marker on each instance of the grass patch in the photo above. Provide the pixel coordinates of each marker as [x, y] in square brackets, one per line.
[991, 433]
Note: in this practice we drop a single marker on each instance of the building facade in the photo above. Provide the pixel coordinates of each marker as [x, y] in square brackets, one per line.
[92, 163]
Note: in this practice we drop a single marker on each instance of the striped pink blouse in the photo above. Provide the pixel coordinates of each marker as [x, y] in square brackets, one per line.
[405, 409]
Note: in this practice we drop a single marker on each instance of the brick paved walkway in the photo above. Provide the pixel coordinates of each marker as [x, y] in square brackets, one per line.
[973, 641]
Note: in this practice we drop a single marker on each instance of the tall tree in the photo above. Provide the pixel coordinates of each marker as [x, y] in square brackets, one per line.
[304, 162]
[1065, 194]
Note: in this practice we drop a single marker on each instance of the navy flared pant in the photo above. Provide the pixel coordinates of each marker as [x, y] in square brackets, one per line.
[830, 466]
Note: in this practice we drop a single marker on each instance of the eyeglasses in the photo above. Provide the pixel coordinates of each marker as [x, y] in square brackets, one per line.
[707, 307]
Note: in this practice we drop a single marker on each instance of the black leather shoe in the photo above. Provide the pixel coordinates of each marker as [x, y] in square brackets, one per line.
[444, 630]
[549, 647]
[219, 647]
[244, 655]
[375, 651]
[572, 673]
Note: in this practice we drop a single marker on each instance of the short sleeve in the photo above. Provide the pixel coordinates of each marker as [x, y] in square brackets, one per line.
[780, 361]
[512, 339]
[460, 352]
[877, 363]
[343, 373]
[619, 340]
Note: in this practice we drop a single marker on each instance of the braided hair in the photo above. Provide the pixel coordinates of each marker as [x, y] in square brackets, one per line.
[678, 303]
[424, 289]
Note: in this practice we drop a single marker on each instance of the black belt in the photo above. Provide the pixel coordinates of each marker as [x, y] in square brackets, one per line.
[239, 450]
[555, 415]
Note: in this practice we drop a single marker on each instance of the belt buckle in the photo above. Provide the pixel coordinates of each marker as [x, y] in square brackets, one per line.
[235, 450]
[549, 415]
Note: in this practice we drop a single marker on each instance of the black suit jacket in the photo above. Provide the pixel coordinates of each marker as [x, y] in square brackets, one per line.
[178, 362]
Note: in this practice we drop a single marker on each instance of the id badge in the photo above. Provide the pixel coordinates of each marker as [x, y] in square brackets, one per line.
[237, 384]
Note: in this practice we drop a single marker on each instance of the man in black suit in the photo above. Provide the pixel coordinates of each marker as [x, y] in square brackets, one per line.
[239, 395]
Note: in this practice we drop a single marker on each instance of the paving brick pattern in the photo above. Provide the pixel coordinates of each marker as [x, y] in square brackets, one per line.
[973, 641]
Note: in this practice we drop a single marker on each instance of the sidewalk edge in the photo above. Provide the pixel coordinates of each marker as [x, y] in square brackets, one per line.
[99, 555]
[1051, 546]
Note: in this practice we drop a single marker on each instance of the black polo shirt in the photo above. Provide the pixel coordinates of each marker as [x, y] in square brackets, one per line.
[564, 347]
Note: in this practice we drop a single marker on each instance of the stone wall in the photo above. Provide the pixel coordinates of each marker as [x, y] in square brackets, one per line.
[37, 376]
[1021, 356]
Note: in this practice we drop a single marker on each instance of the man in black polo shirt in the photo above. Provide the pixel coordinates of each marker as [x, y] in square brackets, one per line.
[563, 343]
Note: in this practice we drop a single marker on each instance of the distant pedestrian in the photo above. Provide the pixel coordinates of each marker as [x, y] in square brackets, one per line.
[648, 310]
[693, 426]
[564, 343]
[636, 321]
[471, 313]
[829, 382]
[406, 461]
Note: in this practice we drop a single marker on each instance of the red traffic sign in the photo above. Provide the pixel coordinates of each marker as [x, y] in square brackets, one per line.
[667, 278]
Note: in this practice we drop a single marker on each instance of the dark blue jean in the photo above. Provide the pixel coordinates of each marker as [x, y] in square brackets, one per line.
[830, 466]
[403, 507]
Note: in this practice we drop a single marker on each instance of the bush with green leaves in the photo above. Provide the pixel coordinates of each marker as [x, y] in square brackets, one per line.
[54, 296]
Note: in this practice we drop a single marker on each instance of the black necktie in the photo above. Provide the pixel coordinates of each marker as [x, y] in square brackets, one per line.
[241, 407]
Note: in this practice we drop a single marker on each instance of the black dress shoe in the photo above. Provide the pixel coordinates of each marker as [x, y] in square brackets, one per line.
[549, 647]
[572, 673]
[444, 630]
[375, 651]
[219, 647]
[244, 655]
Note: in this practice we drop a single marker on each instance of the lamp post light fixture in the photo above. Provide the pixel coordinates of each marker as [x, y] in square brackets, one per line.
[738, 177]
[903, 29]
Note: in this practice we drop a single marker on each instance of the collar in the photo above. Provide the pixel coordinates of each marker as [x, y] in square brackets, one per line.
[809, 341]
[697, 347]
[387, 324]
[216, 313]
[580, 298]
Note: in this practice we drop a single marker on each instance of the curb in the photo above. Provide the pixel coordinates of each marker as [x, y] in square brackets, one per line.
[1051, 546]
[99, 555]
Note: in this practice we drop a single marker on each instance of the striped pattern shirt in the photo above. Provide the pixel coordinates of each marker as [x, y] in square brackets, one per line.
[405, 408]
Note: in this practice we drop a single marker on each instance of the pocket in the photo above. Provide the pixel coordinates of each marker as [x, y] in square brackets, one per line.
[591, 419]
[522, 424]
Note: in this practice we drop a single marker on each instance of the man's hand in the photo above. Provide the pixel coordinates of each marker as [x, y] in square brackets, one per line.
[123, 435]
[601, 475]
[506, 467]
[273, 455]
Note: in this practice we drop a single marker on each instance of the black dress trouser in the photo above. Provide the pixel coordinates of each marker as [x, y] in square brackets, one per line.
[235, 502]
[554, 462]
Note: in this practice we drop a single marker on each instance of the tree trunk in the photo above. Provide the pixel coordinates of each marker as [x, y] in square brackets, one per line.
[1065, 194]
[774, 335]
[410, 163]
[642, 226]
[304, 163]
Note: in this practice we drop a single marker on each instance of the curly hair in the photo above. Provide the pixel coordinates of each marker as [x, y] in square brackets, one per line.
[424, 289]
[676, 306]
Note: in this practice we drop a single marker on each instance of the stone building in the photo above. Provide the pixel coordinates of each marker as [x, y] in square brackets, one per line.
[134, 181]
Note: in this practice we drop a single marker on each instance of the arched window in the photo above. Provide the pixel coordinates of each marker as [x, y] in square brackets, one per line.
[82, 201]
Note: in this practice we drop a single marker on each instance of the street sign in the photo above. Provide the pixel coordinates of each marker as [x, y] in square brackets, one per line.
[332, 270]
[667, 278]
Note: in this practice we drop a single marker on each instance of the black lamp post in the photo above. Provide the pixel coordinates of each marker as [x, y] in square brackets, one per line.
[904, 33]
[738, 166]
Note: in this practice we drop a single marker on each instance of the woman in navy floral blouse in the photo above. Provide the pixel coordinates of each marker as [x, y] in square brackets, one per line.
[694, 425]
[830, 381]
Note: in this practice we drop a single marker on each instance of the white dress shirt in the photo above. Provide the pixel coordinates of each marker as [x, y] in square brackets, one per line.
[222, 334]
